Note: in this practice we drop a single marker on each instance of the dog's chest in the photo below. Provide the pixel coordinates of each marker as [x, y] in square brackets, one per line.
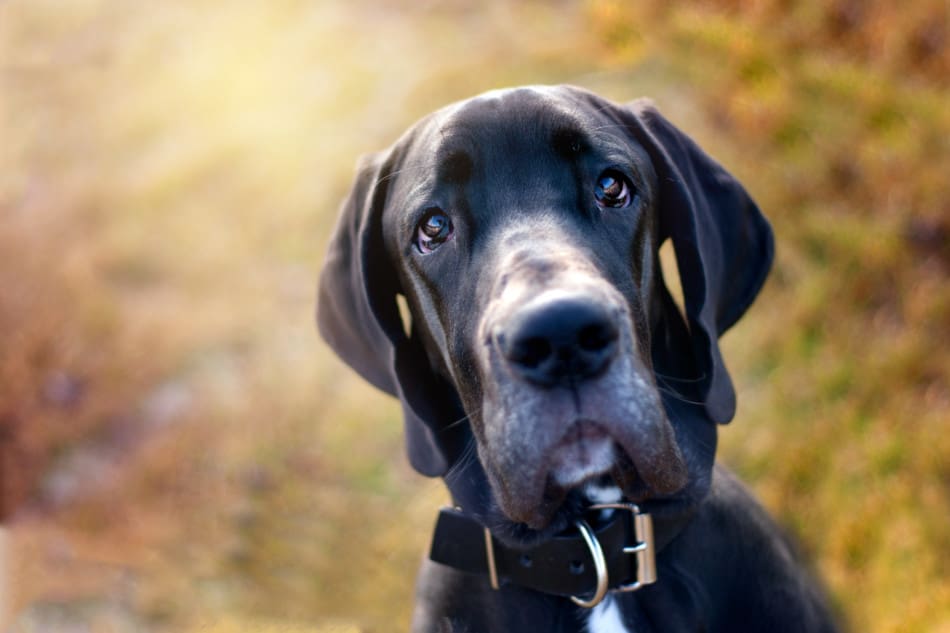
[605, 618]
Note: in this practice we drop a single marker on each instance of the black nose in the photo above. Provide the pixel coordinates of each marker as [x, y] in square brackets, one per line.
[563, 340]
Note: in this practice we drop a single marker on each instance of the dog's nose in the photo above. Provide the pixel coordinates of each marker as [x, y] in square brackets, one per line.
[561, 340]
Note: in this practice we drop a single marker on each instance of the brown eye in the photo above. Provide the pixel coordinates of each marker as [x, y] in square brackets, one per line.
[613, 190]
[433, 230]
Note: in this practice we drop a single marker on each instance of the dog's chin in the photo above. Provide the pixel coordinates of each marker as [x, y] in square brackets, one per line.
[587, 466]
[565, 502]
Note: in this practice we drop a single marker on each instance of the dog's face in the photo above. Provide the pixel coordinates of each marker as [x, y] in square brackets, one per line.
[525, 243]
[522, 228]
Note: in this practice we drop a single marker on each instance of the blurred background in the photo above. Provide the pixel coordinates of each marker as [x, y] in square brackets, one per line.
[179, 451]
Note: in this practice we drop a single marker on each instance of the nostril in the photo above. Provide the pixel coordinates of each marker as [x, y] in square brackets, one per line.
[596, 337]
[531, 352]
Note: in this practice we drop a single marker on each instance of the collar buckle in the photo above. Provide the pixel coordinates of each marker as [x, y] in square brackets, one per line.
[644, 549]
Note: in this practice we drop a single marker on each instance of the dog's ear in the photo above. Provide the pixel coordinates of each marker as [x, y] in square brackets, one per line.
[723, 246]
[358, 316]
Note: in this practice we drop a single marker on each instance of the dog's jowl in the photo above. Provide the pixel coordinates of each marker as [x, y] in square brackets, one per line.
[547, 374]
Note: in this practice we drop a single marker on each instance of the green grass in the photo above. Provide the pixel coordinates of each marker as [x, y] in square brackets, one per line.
[170, 174]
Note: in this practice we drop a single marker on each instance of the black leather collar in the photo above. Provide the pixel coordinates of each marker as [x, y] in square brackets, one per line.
[563, 565]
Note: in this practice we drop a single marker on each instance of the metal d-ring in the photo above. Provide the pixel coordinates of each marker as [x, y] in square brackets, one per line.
[600, 566]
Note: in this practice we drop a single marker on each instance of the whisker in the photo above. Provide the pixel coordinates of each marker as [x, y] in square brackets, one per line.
[668, 390]
[700, 378]
[461, 420]
[468, 456]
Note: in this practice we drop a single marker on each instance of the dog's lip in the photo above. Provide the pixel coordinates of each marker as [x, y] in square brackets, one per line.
[575, 504]
[586, 451]
[562, 507]
[557, 506]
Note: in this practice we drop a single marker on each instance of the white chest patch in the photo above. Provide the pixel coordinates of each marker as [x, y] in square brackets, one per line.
[605, 618]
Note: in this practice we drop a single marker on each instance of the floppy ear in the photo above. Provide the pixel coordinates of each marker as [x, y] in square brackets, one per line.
[723, 246]
[358, 316]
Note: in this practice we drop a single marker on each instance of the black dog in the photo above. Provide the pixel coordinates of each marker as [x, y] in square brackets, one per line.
[547, 371]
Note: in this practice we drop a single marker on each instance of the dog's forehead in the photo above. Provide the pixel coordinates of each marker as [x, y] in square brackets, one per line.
[500, 124]
[509, 140]
[518, 122]
[527, 113]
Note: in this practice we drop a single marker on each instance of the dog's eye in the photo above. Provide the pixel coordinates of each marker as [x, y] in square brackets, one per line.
[433, 230]
[613, 190]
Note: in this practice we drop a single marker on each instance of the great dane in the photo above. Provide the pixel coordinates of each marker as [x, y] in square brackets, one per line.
[548, 375]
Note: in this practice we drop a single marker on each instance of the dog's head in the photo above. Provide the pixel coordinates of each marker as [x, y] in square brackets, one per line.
[522, 228]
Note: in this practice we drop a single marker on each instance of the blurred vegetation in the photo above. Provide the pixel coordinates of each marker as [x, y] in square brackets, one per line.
[179, 452]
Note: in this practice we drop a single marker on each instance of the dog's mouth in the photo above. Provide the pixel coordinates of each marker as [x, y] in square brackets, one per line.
[588, 466]
[565, 507]
[545, 491]
[590, 462]
[586, 451]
